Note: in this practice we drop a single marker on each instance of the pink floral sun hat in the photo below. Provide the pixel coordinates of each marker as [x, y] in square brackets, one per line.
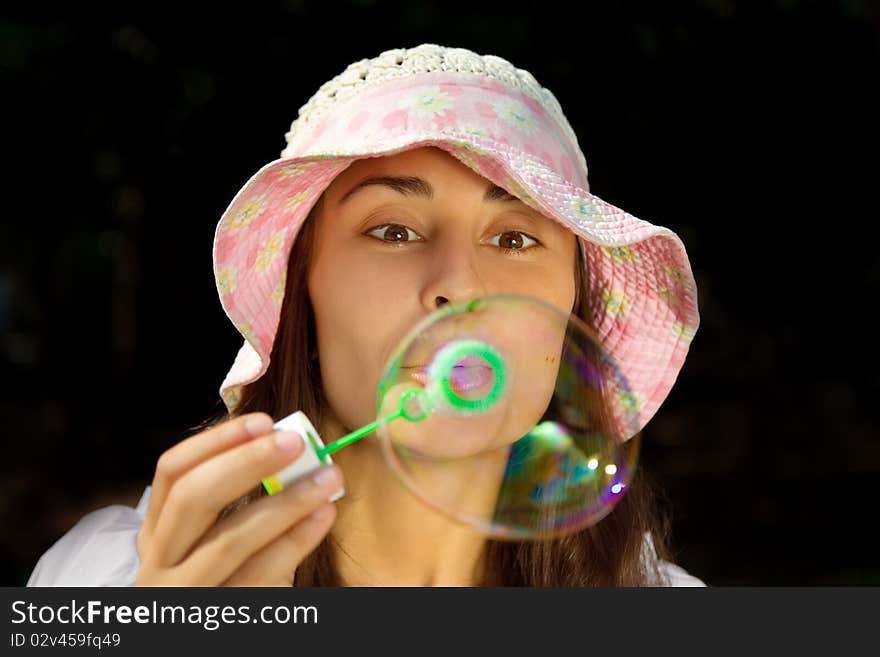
[501, 123]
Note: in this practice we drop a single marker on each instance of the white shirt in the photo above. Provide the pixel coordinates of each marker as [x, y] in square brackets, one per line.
[101, 550]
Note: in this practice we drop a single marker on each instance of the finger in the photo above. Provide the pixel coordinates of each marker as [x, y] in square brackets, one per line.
[187, 454]
[238, 537]
[276, 563]
[196, 499]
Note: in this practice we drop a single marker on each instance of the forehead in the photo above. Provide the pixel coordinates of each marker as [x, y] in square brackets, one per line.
[428, 162]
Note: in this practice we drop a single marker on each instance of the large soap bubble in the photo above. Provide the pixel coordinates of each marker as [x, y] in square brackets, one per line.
[507, 414]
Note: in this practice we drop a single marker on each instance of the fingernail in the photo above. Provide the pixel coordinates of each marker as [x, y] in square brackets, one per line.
[258, 425]
[288, 441]
[326, 476]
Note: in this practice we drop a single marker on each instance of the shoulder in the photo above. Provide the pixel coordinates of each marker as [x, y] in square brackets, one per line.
[675, 575]
[669, 574]
[99, 550]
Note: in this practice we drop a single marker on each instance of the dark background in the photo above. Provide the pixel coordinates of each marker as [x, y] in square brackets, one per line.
[748, 128]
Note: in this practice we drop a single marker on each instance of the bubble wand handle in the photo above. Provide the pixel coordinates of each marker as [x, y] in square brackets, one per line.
[413, 405]
[423, 408]
[354, 436]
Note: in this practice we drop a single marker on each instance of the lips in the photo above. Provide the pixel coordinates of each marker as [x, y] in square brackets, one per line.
[420, 374]
[465, 376]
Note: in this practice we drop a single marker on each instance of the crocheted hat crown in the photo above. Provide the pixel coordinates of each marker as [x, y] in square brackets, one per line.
[426, 58]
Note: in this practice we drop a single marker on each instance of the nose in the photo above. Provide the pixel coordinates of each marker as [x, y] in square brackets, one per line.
[454, 277]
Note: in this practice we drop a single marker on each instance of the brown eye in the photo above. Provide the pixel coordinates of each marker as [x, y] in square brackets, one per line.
[514, 240]
[393, 233]
[511, 241]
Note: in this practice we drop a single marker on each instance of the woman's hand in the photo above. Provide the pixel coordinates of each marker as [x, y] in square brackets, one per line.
[182, 542]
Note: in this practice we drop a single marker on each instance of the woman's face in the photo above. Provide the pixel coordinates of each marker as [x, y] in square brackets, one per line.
[389, 252]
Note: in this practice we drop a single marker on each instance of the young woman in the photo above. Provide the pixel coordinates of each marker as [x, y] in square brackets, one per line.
[420, 178]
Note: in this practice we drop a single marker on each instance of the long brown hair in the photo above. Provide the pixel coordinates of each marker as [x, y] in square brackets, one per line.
[610, 553]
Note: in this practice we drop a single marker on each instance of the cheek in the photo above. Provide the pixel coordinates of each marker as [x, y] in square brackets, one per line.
[354, 312]
[341, 287]
[552, 284]
[560, 275]
[353, 291]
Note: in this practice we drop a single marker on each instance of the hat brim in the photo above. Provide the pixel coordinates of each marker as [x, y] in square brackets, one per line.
[643, 296]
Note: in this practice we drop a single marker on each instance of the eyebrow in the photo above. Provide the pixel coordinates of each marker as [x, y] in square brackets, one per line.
[413, 186]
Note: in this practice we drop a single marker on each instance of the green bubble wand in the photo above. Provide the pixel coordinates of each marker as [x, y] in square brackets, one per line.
[414, 406]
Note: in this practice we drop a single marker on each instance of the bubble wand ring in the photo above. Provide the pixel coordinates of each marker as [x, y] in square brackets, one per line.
[441, 370]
